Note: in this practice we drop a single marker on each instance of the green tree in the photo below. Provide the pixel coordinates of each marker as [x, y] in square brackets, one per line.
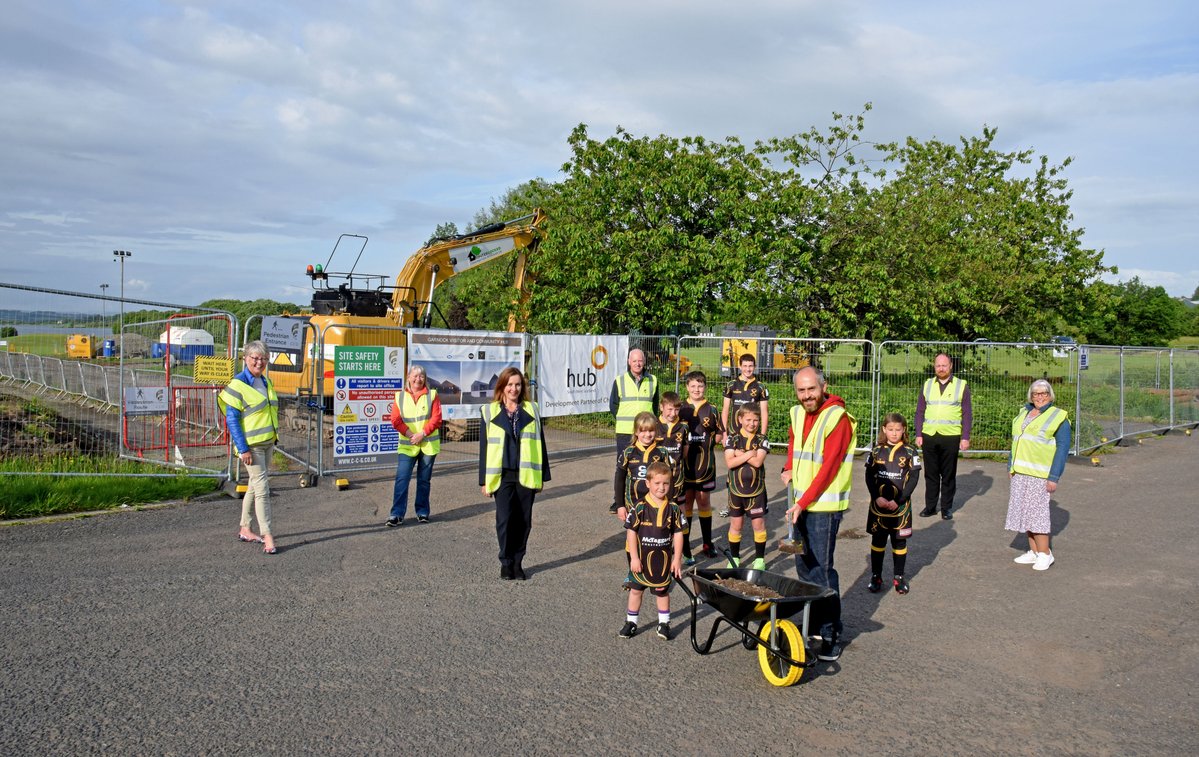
[817, 234]
[483, 297]
[645, 233]
[941, 241]
[1135, 314]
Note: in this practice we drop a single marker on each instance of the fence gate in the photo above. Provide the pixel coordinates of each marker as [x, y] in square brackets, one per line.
[172, 417]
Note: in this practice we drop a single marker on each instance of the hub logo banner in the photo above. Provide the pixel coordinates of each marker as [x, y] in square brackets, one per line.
[575, 373]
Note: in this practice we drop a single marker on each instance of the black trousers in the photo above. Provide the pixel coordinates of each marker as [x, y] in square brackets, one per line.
[513, 520]
[940, 471]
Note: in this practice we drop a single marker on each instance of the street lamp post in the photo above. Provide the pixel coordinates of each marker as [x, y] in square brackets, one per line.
[121, 255]
[104, 304]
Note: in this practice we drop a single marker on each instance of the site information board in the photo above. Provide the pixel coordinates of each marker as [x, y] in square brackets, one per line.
[464, 366]
[365, 381]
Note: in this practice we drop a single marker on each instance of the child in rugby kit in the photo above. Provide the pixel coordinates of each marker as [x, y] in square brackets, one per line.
[745, 390]
[672, 437]
[892, 471]
[654, 540]
[742, 391]
[635, 460]
[699, 470]
[744, 454]
[633, 463]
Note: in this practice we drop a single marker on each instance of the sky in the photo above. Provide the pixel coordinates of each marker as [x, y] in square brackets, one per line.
[228, 144]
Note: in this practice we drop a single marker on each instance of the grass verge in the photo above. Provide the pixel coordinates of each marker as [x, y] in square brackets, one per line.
[32, 495]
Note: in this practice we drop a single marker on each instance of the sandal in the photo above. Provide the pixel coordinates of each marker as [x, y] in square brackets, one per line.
[249, 540]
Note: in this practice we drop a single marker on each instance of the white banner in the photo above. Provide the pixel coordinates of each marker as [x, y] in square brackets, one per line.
[463, 366]
[575, 373]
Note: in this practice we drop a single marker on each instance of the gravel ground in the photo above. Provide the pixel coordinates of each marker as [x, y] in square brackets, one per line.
[157, 632]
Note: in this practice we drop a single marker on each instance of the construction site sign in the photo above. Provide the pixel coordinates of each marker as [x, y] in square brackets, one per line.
[365, 382]
[146, 400]
[212, 370]
[463, 366]
[284, 338]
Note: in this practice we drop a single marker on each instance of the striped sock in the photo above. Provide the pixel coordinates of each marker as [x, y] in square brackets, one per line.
[760, 545]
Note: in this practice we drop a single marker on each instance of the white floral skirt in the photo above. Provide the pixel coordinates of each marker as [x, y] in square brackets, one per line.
[1028, 505]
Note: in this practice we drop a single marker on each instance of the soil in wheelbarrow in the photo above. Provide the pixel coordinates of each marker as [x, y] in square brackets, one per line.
[748, 589]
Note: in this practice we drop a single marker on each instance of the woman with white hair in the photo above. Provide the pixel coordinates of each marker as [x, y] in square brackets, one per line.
[1040, 445]
[251, 410]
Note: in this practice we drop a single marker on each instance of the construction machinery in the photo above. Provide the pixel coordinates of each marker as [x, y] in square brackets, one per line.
[346, 305]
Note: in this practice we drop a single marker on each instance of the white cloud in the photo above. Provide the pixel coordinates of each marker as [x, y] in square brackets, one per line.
[204, 136]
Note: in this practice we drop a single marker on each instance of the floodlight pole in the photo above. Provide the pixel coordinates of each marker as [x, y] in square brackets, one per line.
[121, 255]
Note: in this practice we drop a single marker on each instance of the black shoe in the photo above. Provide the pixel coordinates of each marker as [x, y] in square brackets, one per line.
[946, 515]
[422, 518]
[628, 630]
[875, 585]
[393, 522]
[901, 585]
[518, 572]
[708, 551]
[506, 573]
[613, 508]
[928, 512]
[664, 631]
[830, 650]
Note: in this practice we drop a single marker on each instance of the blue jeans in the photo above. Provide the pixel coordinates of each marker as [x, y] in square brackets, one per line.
[424, 475]
[815, 565]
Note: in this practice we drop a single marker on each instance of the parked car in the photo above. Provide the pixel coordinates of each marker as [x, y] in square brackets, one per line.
[1063, 340]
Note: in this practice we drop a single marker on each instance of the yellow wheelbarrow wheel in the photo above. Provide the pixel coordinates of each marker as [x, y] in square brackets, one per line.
[780, 671]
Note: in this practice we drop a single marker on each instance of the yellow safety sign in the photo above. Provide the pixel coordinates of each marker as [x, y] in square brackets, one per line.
[347, 416]
[213, 370]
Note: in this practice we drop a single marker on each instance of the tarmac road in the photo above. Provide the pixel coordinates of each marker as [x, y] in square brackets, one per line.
[157, 632]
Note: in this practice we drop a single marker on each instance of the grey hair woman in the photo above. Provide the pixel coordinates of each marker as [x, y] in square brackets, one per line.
[1040, 445]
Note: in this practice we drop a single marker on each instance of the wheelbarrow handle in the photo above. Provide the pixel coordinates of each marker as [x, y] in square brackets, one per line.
[682, 582]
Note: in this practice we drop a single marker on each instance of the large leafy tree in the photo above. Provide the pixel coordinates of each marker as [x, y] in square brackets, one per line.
[483, 297]
[943, 241]
[817, 234]
[645, 233]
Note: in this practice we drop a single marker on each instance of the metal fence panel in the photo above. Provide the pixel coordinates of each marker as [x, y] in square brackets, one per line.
[998, 375]
[71, 402]
[846, 364]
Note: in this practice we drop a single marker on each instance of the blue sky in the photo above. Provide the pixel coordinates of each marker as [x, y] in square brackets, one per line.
[228, 144]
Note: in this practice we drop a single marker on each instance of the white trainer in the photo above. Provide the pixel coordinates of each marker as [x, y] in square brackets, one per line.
[1028, 558]
[1044, 560]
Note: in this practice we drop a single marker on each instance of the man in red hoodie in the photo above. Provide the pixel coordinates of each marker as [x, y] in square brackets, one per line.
[818, 473]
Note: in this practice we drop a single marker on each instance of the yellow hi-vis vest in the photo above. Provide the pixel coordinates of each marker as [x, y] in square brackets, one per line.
[943, 410]
[1033, 446]
[416, 414]
[259, 414]
[633, 398]
[808, 455]
[531, 453]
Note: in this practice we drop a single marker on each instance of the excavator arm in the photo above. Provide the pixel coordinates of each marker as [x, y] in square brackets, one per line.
[443, 258]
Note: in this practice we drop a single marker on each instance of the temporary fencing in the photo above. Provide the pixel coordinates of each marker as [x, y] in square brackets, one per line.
[66, 367]
[1113, 394]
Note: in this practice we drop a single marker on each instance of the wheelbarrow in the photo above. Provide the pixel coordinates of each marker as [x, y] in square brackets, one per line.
[782, 653]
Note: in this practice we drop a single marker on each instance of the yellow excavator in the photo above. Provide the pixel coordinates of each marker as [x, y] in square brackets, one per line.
[343, 308]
